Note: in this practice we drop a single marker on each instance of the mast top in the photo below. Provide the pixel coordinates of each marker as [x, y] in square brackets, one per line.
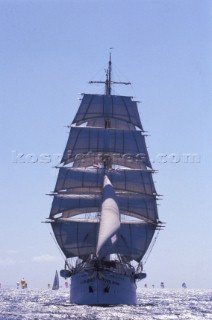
[108, 81]
[108, 77]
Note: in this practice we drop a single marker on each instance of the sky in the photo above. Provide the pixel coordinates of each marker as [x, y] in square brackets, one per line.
[49, 50]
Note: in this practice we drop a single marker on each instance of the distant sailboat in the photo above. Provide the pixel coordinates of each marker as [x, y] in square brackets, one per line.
[23, 284]
[56, 282]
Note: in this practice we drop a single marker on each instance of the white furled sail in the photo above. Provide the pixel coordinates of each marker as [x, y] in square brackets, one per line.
[109, 220]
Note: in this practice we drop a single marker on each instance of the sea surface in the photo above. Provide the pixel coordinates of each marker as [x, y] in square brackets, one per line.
[159, 304]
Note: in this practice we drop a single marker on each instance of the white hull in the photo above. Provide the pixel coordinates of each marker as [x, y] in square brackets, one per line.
[102, 288]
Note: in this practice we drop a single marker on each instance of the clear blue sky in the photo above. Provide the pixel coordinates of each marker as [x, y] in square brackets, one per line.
[49, 50]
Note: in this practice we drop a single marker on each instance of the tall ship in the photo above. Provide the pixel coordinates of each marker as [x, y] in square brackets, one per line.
[104, 210]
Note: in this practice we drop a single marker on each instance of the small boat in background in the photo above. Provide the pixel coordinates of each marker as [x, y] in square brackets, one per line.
[23, 284]
[56, 282]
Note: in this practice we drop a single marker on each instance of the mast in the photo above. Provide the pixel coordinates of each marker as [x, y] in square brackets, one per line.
[108, 78]
[108, 81]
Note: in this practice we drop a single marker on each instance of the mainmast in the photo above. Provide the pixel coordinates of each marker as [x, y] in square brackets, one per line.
[108, 82]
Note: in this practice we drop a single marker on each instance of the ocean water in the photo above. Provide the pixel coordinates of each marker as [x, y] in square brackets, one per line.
[159, 304]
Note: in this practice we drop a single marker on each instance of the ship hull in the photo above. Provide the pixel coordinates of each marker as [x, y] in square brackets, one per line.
[102, 288]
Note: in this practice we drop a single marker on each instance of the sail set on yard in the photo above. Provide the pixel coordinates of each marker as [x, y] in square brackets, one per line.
[105, 202]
